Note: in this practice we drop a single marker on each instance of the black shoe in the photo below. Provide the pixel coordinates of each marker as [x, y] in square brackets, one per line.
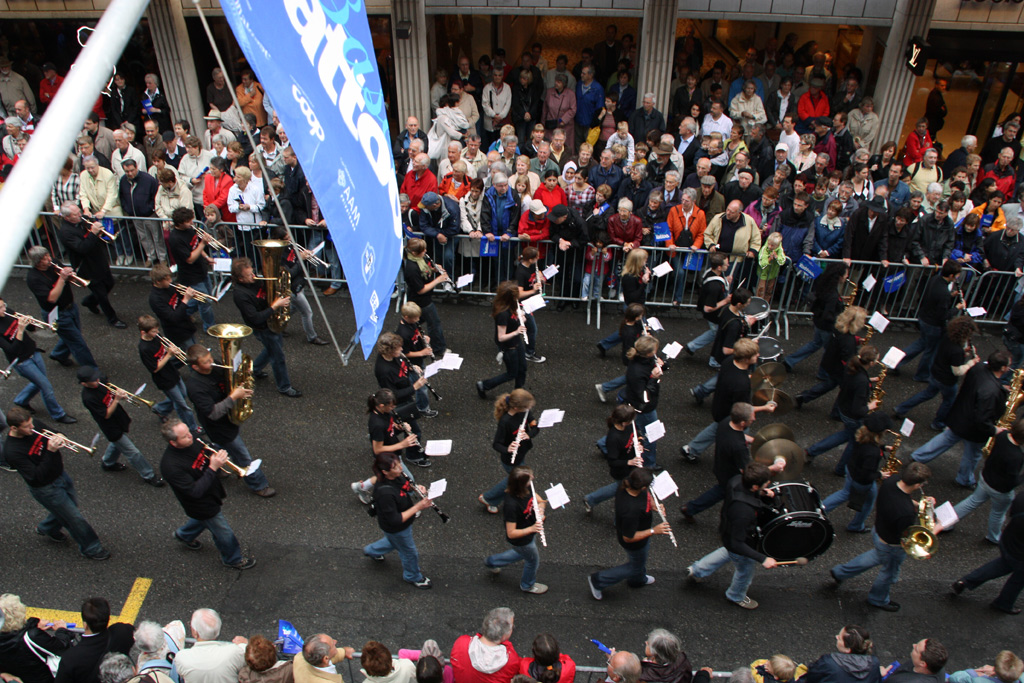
[481, 392]
[799, 402]
[66, 419]
[958, 587]
[194, 544]
[260, 374]
[1012, 610]
[58, 537]
[65, 361]
[887, 607]
[375, 558]
[116, 467]
[118, 324]
[424, 584]
[100, 556]
[29, 408]
[292, 393]
[6, 467]
[561, 306]
[697, 400]
[243, 564]
[156, 481]
[317, 341]
[687, 455]
[601, 350]
[689, 351]
[575, 305]
[836, 581]
[687, 517]
[94, 309]
[422, 462]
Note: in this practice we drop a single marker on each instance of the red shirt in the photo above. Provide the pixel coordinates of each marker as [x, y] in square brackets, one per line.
[216, 193]
[47, 89]
[416, 188]
[463, 669]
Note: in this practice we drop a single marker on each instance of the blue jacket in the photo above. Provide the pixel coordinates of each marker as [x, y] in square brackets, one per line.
[968, 243]
[612, 177]
[444, 221]
[588, 105]
[839, 667]
[500, 215]
[797, 233]
[899, 195]
[828, 240]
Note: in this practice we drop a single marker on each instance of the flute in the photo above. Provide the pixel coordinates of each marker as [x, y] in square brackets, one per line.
[520, 434]
[522, 318]
[418, 369]
[654, 496]
[539, 515]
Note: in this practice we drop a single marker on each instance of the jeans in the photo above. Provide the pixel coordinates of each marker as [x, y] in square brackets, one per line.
[1001, 566]
[496, 494]
[515, 368]
[702, 391]
[845, 435]
[602, 494]
[704, 338]
[742, 576]
[819, 340]
[705, 438]
[843, 495]
[934, 388]
[820, 389]
[72, 343]
[223, 537]
[447, 254]
[34, 370]
[531, 334]
[403, 542]
[273, 353]
[205, 309]
[941, 443]
[430, 318]
[239, 454]
[528, 553]
[1016, 350]
[633, 572]
[890, 557]
[422, 399]
[125, 446]
[176, 400]
[301, 304]
[613, 384]
[1000, 504]
[60, 499]
[611, 340]
[926, 345]
[591, 281]
[681, 275]
[713, 495]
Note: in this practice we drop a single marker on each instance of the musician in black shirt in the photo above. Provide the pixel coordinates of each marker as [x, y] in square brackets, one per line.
[620, 451]
[838, 350]
[19, 347]
[895, 511]
[405, 379]
[396, 512]
[1002, 473]
[862, 471]
[634, 528]
[732, 325]
[105, 407]
[713, 298]
[825, 308]
[1010, 561]
[291, 262]
[954, 356]
[941, 299]
[163, 368]
[631, 328]
[416, 347]
[189, 252]
[853, 405]
[738, 530]
[421, 279]
[38, 460]
[192, 470]
[208, 389]
[51, 288]
[388, 434]
[171, 307]
[251, 300]
[522, 524]
[513, 439]
[88, 254]
[508, 335]
[531, 283]
[643, 387]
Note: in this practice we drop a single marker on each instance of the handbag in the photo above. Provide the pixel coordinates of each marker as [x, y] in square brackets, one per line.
[51, 660]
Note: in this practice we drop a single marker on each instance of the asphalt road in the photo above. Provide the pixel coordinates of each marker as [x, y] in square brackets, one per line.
[308, 539]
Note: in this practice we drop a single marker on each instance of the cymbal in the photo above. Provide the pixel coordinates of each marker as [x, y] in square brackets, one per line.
[772, 373]
[789, 451]
[766, 393]
[769, 433]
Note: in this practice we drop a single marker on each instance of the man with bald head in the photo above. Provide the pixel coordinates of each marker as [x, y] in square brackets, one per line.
[624, 667]
[319, 660]
[412, 132]
[419, 180]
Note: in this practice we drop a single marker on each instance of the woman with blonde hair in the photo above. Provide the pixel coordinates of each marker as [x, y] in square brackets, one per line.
[523, 172]
[512, 411]
[18, 658]
[838, 350]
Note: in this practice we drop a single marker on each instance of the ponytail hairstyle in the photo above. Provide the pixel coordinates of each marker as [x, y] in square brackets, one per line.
[519, 481]
[633, 313]
[644, 346]
[622, 413]
[857, 639]
[517, 399]
[547, 665]
[382, 462]
[863, 360]
[382, 397]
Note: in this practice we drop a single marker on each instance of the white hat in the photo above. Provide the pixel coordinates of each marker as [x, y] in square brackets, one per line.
[537, 207]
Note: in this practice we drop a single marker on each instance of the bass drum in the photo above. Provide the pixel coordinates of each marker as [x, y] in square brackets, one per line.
[796, 526]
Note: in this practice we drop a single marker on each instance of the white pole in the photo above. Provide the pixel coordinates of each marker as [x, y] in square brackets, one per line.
[28, 186]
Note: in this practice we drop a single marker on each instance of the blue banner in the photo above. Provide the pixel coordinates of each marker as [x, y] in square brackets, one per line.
[316, 61]
[808, 267]
[662, 233]
[894, 282]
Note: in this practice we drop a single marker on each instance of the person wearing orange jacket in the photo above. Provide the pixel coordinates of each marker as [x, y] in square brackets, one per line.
[686, 223]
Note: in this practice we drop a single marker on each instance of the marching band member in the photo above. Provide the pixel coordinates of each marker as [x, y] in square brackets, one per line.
[630, 330]
[732, 325]
[531, 283]
[643, 387]
[51, 289]
[18, 345]
[298, 298]
[854, 404]
[826, 305]
[88, 254]
[189, 252]
[1002, 473]
[620, 453]
[713, 298]
[940, 301]
[1010, 561]
[388, 434]
[420, 280]
[508, 335]
[161, 365]
[397, 374]
[862, 471]
[522, 524]
[171, 307]
[513, 439]
[840, 347]
[416, 347]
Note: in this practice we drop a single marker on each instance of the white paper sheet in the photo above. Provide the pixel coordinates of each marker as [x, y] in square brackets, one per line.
[174, 268]
[550, 271]
[878, 321]
[655, 431]
[437, 489]
[655, 324]
[556, 496]
[976, 311]
[533, 303]
[550, 417]
[432, 369]
[664, 486]
[464, 280]
[315, 250]
[869, 283]
[236, 361]
[223, 290]
[450, 361]
[946, 515]
[222, 265]
[253, 466]
[892, 357]
[663, 268]
[439, 447]
[672, 350]
[907, 428]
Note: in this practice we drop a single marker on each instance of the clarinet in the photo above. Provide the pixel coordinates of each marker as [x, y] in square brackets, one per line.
[419, 329]
[416, 491]
[447, 282]
[654, 497]
[437, 396]
[540, 517]
[520, 433]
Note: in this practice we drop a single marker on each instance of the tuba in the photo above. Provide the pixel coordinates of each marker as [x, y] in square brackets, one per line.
[919, 540]
[1013, 403]
[277, 279]
[230, 337]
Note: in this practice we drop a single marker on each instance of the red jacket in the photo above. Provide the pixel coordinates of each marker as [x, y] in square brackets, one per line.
[217, 194]
[568, 668]
[916, 147]
[632, 231]
[466, 673]
[536, 231]
[1005, 179]
[809, 108]
[47, 90]
[417, 188]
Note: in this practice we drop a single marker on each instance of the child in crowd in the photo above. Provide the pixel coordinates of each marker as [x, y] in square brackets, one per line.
[770, 260]
[595, 266]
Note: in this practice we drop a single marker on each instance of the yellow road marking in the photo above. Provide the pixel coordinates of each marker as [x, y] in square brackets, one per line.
[129, 612]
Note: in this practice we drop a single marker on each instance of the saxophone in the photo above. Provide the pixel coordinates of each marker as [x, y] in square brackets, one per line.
[892, 464]
[1013, 402]
[877, 393]
[867, 335]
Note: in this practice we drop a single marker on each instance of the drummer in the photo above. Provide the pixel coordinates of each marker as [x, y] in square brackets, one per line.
[733, 324]
[732, 453]
[733, 382]
[744, 500]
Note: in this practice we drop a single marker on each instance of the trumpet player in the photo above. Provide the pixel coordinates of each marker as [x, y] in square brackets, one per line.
[88, 254]
[189, 252]
[420, 281]
[50, 287]
[192, 472]
[107, 410]
[863, 471]
[170, 306]
[38, 460]
[896, 511]
[416, 347]
[299, 302]
[18, 345]
[158, 359]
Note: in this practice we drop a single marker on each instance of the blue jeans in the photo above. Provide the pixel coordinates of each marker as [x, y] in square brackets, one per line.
[72, 343]
[205, 309]
[432, 320]
[704, 439]
[704, 390]
[301, 304]
[602, 494]
[926, 345]
[403, 542]
[819, 340]
[528, 553]
[843, 495]
[273, 353]
[633, 572]
[890, 557]
[422, 399]
[1000, 504]
[590, 281]
[176, 401]
[125, 446]
[713, 495]
[611, 340]
[821, 388]
[447, 254]
[704, 338]
[531, 333]
[496, 494]
[515, 368]
[34, 370]
[844, 435]
[223, 537]
[1001, 566]
[742, 576]
[941, 443]
[239, 454]
[613, 384]
[60, 499]
[934, 388]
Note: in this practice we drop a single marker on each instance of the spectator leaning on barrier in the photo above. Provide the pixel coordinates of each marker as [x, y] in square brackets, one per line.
[210, 660]
[487, 656]
[319, 660]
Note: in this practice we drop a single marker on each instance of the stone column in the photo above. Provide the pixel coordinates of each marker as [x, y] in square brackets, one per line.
[895, 79]
[657, 43]
[178, 80]
[412, 81]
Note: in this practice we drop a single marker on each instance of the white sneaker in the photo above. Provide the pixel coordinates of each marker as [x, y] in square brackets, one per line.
[594, 591]
[499, 357]
[536, 358]
[747, 603]
[364, 496]
[537, 589]
[600, 393]
[120, 260]
[649, 580]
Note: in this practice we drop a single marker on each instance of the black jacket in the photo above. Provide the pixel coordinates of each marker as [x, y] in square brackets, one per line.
[641, 388]
[738, 527]
[1003, 254]
[934, 240]
[573, 230]
[899, 243]
[936, 302]
[138, 198]
[251, 300]
[197, 487]
[87, 252]
[210, 397]
[980, 402]
[81, 663]
[773, 105]
[840, 667]
[862, 243]
[18, 660]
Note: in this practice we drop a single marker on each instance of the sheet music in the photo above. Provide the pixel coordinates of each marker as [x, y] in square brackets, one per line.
[878, 321]
[976, 311]
[464, 280]
[439, 447]
[892, 357]
[437, 489]
[664, 486]
[663, 268]
[946, 515]
[672, 350]
[315, 250]
[550, 417]
[655, 431]
[533, 303]
[907, 428]
[655, 324]
[556, 496]
[550, 271]
[869, 283]
[222, 265]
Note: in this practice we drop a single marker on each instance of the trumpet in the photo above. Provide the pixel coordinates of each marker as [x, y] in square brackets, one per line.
[308, 255]
[198, 296]
[107, 237]
[73, 278]
[133, 399]
[173, 348]
[32, 321]
[214, 242]
[240, 472]
[72, 446]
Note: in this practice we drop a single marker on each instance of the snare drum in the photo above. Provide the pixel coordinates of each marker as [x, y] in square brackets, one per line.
[758, 308]
[768, 350]
[796, 526]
